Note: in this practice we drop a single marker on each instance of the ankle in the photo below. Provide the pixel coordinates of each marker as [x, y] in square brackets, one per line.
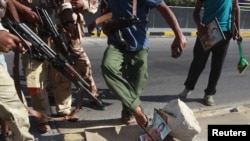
[137, 109]
[6, 132]
[187, 90]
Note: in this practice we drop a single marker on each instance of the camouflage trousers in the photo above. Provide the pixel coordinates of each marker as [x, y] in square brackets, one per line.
[61, 86]
[52, 82]
[36, 73]
[12, 109]
[83, 66]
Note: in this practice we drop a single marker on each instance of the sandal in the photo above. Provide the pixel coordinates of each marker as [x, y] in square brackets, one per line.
[71, 117]
[128, 121]
[139, 115]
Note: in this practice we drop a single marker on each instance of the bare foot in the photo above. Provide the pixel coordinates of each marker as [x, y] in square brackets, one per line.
[140, 117]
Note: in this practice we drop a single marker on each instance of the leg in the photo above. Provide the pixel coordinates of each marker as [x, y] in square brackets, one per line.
[83, 67]
[62, 92]
[12, 109]
[126, 91]
[137, 75]
[36, 73]
[127, 116]
[218, 57]
[197, 66]
[4, 130]
[60, 88]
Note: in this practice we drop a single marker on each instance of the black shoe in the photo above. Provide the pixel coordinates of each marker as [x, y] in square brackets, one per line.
[97, 106]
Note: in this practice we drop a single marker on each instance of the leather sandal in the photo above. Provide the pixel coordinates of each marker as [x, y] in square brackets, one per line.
[72, 117]
[44, 127]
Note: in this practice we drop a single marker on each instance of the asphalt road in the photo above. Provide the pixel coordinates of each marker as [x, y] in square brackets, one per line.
[167, 75]
[166, 78]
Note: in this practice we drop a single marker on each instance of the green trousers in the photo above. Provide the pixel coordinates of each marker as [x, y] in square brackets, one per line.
[125, 74]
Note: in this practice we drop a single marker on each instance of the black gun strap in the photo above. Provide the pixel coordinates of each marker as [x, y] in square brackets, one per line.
[16, 75]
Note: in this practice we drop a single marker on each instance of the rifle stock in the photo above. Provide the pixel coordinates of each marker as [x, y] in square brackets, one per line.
[40, 50]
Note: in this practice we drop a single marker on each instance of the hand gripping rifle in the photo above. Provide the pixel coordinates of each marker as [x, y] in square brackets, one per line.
[39, 49]
[61, 43]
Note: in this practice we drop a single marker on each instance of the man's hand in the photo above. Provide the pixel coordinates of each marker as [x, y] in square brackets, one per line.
[202, 29]
[102, 19]
[32, 17]
[91, 28]
[9, 42]
[71, 31]
[178, 46]
[239, 38]
[28, 14]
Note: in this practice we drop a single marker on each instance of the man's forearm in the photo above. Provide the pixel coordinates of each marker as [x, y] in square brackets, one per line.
[169, 18]
[237, 16]
[196, 13]
[13, 10]
[21, 8]
[102, 19]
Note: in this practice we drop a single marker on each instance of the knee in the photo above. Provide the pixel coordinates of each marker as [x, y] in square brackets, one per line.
[107, 66]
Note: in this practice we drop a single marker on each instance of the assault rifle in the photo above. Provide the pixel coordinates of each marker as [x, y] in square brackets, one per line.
[61, 43]
[38, 49]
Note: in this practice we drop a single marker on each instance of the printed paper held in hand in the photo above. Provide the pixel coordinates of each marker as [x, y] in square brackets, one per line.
[213, 36]
[159, 128]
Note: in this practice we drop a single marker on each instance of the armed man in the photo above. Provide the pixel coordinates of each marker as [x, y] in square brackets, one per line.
[14, 115]
[42, 79]
[124, 65]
